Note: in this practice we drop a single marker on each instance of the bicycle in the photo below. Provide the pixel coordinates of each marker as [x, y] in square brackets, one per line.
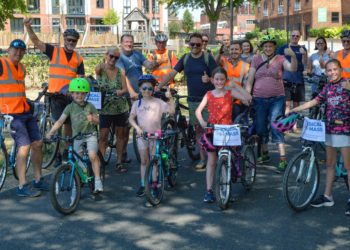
[163, 165]
[5, 122]
[318, 81]
[65, 184]
[302, 176]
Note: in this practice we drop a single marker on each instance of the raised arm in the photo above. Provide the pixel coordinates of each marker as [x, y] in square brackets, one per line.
[290, 66]
[33, 37]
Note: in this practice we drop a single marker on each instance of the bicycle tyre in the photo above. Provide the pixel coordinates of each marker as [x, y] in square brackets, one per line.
[300, 194]
[172, 175]
[191, 143]
[3, 164]
[134, 143]
[223, 182]
[49, 149]
[248, 166]
[110, 145]
[14, 171]
[154, 197]
[60, 182]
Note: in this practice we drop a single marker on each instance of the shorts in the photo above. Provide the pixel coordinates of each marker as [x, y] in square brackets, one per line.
[294, 92]
[91, 142]
[25, 129]
[58, 104]
[121, 120]
[192, 106]
[149, 144]
[337, 141]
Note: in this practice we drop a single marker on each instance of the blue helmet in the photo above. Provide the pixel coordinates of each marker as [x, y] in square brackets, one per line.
[147, 78]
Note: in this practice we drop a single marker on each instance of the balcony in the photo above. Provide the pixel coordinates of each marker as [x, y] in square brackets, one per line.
[280, 9]
[297, 6]
[266, 12]
[76, 10]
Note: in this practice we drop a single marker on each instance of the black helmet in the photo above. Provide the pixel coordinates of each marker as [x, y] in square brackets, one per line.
[345, 33]
[71, 32]
[161, 37]
[18, 44]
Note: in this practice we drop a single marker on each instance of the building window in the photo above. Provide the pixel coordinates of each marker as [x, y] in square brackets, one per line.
[76, 23]
[99, 4]
[145, 6]
[55, 25]
[76, 7]
[155, 24]
[17, 25]
[272, 5]
[250, 21]
[127, 7]
[33, 6]
[266, 10]
[55, 6]
[335, 17]
[36, 24]
[155, 6]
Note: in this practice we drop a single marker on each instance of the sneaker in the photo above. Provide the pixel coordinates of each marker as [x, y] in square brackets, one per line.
[140, 192]
[98, 186]
[200, 165]
[41, 185]
[209, 197]
[347, 211]
[322, 201]
[263, 159]
[282, 165]
[26, 192]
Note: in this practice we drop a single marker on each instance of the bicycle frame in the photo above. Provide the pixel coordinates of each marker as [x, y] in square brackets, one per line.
[307, 149]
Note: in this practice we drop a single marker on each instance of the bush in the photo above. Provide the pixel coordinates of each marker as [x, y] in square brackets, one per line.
[37, 69]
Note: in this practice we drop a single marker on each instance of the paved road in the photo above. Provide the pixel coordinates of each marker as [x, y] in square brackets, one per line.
[259, 219]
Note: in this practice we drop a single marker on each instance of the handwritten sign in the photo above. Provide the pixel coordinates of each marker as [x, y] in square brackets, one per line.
[95, 98]
[227, 135]
[314, 130]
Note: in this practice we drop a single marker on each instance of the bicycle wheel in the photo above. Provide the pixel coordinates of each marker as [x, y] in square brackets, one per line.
[222, 182]
[65, 189]
[172, 175]
[49, 149]
[134, 143]
[14, 167]
[192, 147]
[248, 167]
[300, 181]
[154, 190]
[3, 164]
[111, 144]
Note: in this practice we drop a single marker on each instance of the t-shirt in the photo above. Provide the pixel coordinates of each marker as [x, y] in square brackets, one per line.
[78, 116]
[220, 108]
[132, 65]
[49, 53]
[149, 113]
[268, 78]
[294, 77]
[315, 60]
[194, 71]
[337, 101]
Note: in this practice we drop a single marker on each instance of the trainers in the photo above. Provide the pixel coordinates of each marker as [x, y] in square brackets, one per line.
[322, 201]
[26, 192]
[209, 197]
[263, 158]
[282, 165]
[140, 192]
[41, 185]
[347, 211]
[200, 165]
[98, 186]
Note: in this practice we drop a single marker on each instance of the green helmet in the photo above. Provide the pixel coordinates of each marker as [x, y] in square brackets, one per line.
[79, 85]
[266, 39]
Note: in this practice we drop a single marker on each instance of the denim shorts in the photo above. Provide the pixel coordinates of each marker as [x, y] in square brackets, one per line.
[25, 129]
[267, 109]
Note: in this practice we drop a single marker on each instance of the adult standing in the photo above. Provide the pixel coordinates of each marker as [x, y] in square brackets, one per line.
[294, 81]
[265, 82]
[115, 108]
[343, 56]
[247, 51]
[205, 40]
[197, 66]
[24, 126]
[224, 51]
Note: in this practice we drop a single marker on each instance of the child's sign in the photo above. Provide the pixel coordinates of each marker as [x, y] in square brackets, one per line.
[313, 130]
[227, 135]
[95, 98]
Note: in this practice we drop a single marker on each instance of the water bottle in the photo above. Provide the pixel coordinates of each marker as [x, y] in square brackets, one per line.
[165, 159]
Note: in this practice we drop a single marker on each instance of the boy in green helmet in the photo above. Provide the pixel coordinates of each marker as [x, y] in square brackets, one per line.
[84, 118]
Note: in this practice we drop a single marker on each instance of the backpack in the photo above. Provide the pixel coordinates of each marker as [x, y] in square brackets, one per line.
[206, 58]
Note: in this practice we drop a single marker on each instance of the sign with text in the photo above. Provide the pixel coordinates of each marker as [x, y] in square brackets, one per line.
[314, 130]
[227, 135]
[95, 98]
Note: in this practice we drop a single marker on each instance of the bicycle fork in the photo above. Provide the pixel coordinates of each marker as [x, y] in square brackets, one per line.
[228, 154]
[310, 167]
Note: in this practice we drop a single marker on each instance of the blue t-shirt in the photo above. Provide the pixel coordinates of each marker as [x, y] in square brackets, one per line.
[294, 77]
[194, 71]
[132, 64]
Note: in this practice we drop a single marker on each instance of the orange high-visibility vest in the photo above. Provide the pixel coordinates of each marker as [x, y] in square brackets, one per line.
[165, 68]
[61, 72]
[12, 88]
[345, 63]
[235, 73]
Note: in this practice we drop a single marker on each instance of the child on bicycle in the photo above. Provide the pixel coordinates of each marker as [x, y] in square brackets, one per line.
[220, 104]
[84, 118]
[336, 95]
[148, 111]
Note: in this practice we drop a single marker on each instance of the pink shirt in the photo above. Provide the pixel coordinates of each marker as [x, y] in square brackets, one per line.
[268, 78]
[149, 114]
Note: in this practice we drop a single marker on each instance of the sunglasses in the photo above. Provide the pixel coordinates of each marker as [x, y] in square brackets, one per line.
[195, 44]
[205, 41]
[72, 40]
[295, 36]
[147, 88]
[113, 56]
[319, 43]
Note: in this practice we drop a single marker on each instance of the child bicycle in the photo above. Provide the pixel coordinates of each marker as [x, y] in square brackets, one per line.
[65, 185]
[163, 164]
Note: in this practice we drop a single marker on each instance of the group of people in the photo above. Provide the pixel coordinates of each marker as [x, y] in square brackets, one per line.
[218, 89]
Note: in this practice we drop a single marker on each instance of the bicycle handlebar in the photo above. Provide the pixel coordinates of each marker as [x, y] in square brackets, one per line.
[159, 134]
[78, 136]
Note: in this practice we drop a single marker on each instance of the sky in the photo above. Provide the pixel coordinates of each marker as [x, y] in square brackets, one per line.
[196, 13]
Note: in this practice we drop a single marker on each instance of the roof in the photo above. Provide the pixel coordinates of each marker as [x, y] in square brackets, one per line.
[136, 15]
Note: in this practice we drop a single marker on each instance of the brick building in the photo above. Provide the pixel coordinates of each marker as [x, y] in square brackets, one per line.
[303, 14]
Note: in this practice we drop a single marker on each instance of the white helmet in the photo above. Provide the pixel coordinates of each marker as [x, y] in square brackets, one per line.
[161, 37]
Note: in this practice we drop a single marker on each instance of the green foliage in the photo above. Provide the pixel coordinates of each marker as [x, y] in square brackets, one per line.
[187, 21]
[334, 32]
[313, 32]
[111, 18]
[90, 63]
[8, 8]
[37, 67]
[255, 36]
[174, 28]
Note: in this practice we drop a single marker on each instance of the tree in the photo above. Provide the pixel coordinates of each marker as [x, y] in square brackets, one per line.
[8, 8]
[187, 21]
[111, 18]
[174, 28]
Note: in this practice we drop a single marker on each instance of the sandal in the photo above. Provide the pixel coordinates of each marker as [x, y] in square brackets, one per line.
[120, 168]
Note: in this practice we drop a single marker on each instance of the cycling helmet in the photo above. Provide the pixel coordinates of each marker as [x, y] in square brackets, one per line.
[147, 78]
[71, 32]
[206, 143]
[79, 85]
[18, 44]
[161, 37]
[345, 33]
[266, 39]
[285, 123]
